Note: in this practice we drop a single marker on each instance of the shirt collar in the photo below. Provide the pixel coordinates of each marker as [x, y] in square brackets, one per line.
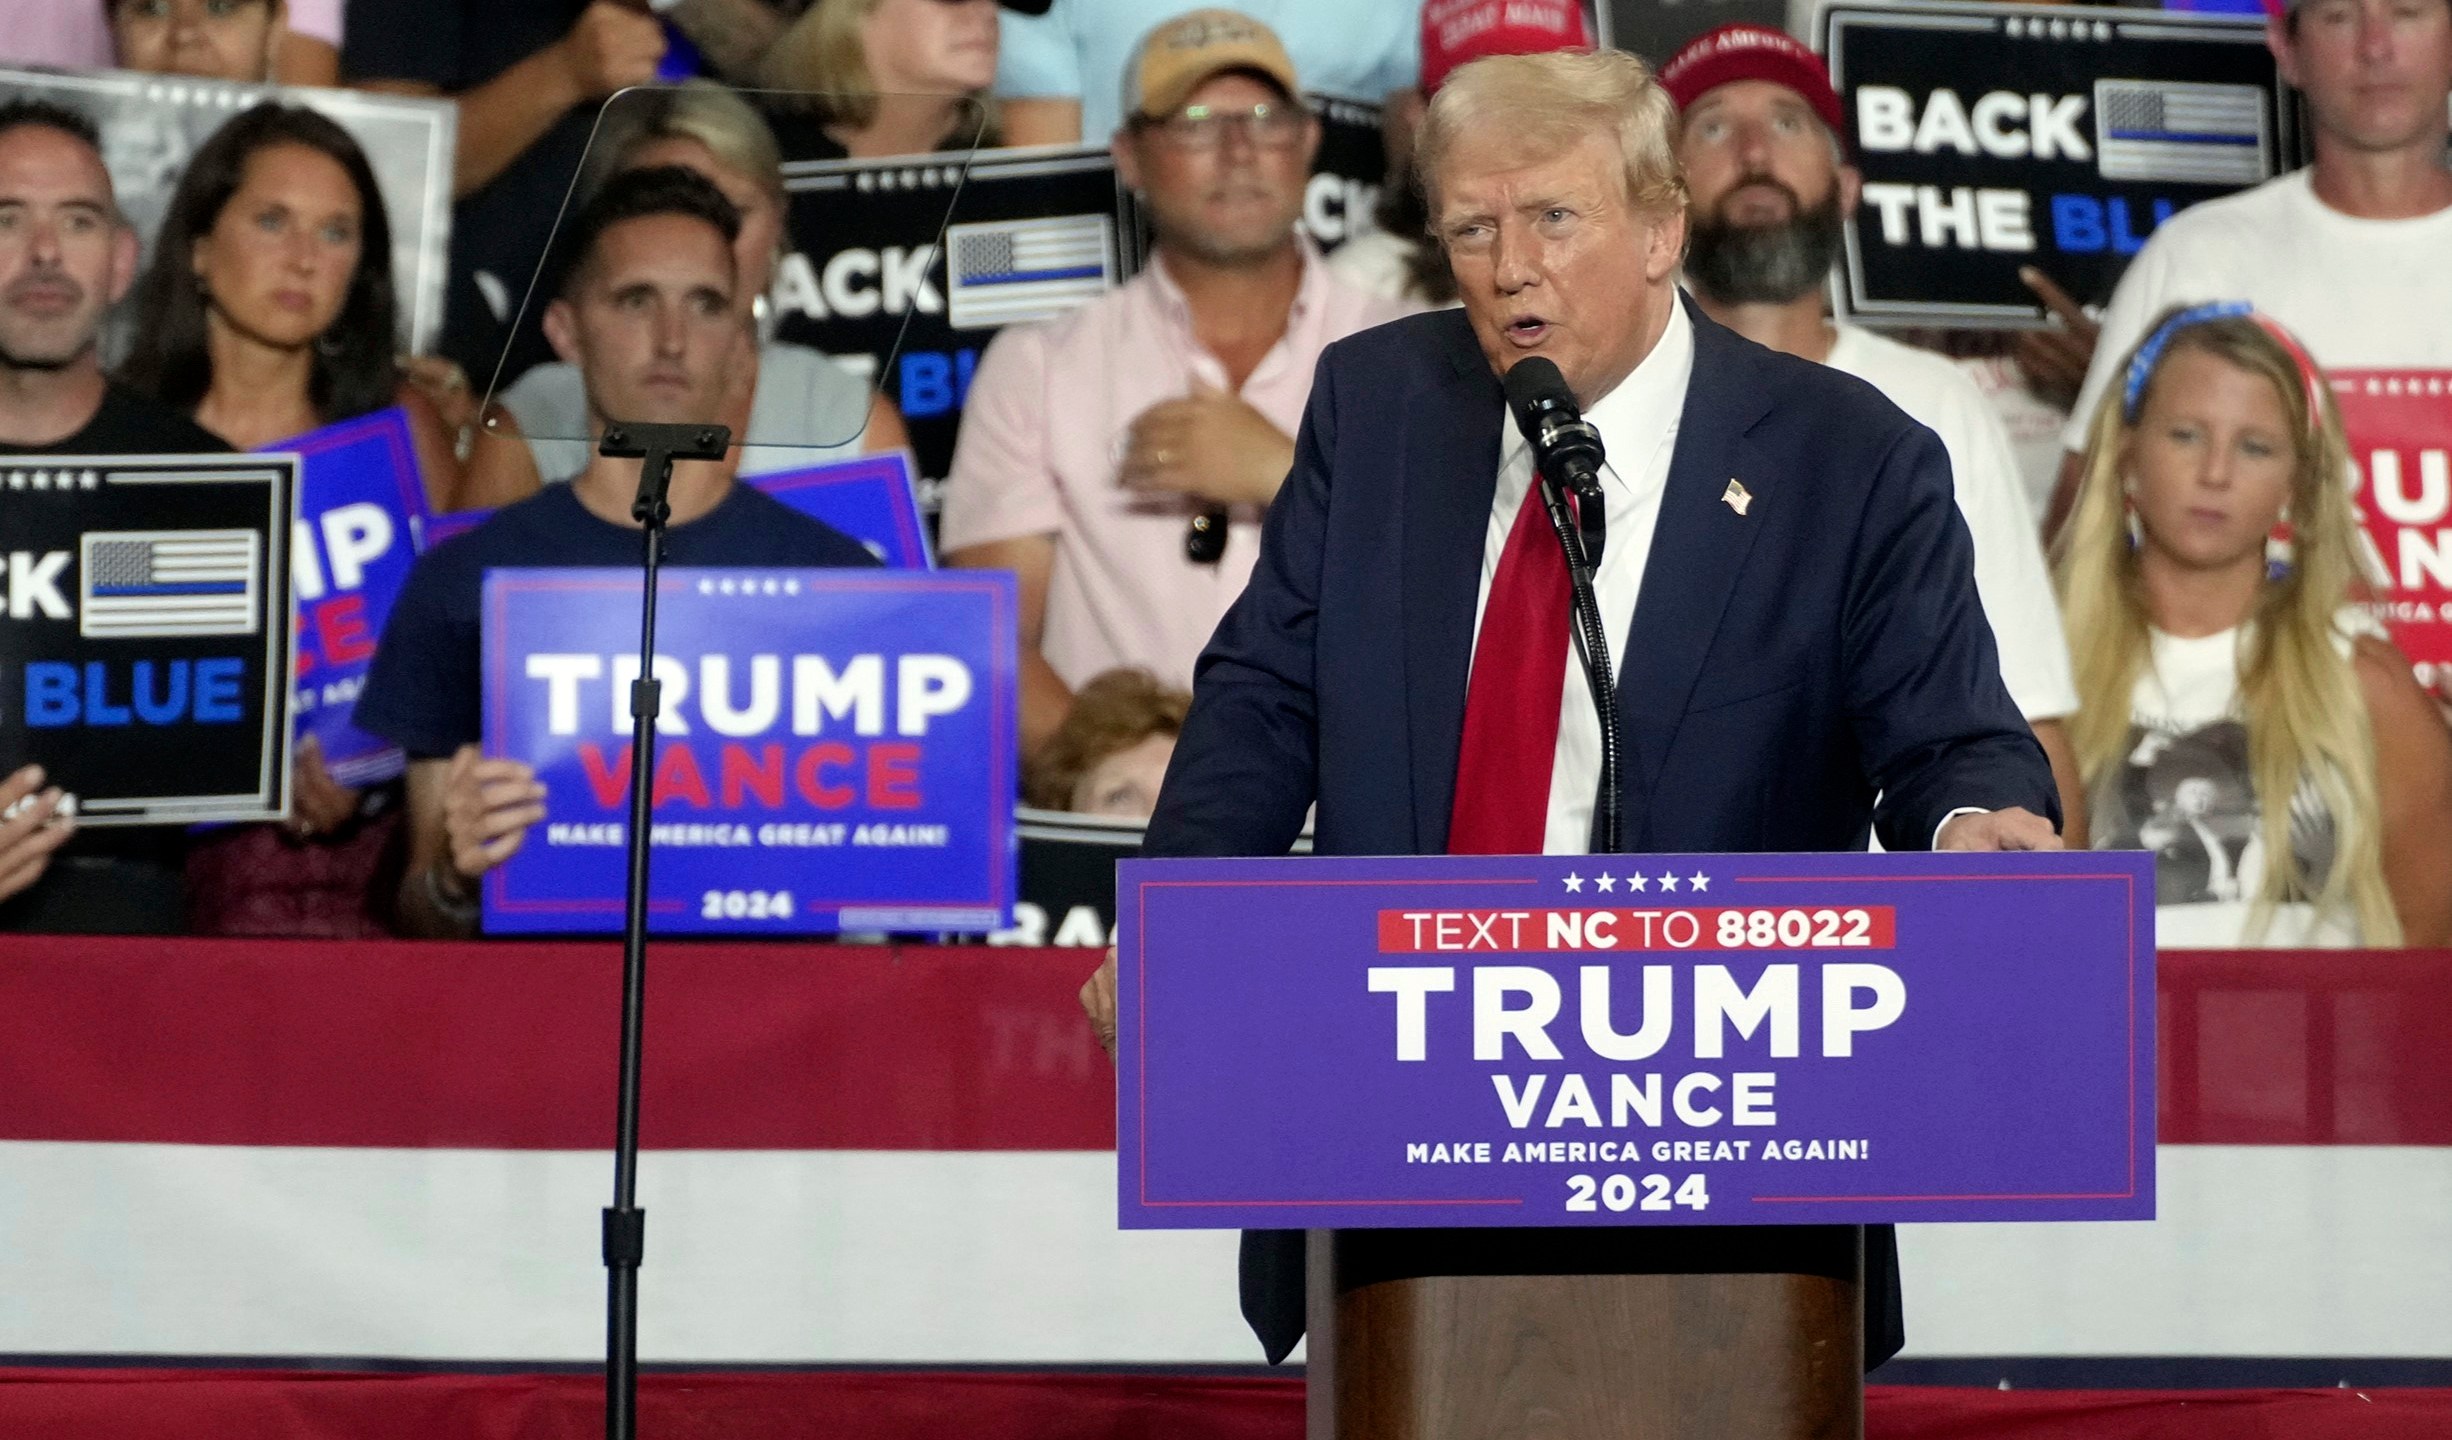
[1648, 402]
[1307, 292]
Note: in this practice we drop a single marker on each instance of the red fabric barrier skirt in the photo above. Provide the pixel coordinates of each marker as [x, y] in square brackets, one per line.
[899, 1160]
[905, 1405]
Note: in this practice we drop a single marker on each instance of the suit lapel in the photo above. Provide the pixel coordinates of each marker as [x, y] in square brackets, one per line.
[1449, 478]
[1697, 550]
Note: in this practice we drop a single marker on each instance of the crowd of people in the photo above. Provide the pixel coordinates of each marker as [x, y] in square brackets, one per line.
[2183, 632]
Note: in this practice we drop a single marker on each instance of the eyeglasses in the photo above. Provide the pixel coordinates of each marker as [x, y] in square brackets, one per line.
[1199, 128]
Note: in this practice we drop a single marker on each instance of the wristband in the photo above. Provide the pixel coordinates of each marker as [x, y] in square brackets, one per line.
[450, 907]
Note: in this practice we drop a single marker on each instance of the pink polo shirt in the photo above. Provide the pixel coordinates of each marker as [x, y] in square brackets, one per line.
[1043, 431]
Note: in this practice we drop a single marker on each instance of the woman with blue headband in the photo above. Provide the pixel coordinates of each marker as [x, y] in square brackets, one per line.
[2238, 715]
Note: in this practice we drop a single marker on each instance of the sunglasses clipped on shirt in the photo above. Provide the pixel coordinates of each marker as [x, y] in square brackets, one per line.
[1204, 540]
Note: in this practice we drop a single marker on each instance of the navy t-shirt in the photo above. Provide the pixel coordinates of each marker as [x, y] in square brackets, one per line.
[422, 690]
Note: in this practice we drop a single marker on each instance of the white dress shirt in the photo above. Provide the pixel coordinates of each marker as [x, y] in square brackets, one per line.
[1638, 425]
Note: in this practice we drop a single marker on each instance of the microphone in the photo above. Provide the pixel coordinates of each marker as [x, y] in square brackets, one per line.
[1566, 448]
[1567, 454]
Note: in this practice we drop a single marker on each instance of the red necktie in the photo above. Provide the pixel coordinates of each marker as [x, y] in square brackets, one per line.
[1511, 709]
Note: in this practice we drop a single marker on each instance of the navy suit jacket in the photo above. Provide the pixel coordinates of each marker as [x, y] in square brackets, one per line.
[1784, 667]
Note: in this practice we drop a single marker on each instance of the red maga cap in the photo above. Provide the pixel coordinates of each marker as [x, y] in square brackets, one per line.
[1751, 52]
[1457, 31]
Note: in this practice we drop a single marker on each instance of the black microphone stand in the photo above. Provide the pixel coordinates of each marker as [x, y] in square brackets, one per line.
[1567, 460]
[656, 447]
[1592, 637]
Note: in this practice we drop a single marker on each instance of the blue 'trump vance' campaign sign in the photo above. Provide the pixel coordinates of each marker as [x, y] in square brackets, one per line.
[1635, 1040]
[836, 751]
[361, 507]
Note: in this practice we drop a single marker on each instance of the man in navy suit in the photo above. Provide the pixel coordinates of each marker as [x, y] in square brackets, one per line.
[1786, 583]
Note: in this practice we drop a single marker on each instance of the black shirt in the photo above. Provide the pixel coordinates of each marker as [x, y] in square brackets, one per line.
[800, 130]
[501, 231]
[126, 423]
[422, 692]
[122, 881]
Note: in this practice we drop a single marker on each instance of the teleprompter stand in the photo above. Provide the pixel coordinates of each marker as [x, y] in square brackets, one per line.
[656, 447]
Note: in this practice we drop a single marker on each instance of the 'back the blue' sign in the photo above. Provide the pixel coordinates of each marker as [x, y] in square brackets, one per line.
[836, 748]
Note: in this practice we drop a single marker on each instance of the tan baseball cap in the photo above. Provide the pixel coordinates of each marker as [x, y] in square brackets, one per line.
[1179, 56]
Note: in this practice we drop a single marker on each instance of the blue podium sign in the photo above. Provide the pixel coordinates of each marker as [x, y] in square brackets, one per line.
[1635, 1040]
[837, 748]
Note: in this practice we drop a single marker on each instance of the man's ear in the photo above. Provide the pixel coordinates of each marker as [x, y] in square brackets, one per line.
[562, 330]
[1851, 189]
[1668, 247]
[1127, 157]
[1311, 142]
[2285, 49]
[126, 250]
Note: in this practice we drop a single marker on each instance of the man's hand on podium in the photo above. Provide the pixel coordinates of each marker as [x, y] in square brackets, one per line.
[2011, 829]
[1098, 1001]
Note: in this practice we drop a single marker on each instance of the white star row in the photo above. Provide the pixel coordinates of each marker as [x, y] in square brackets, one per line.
[749, 586]
[214, 93]
[2037, 29]
[1637, 881]
[2397, 385]
[53, 479]
[929, 178]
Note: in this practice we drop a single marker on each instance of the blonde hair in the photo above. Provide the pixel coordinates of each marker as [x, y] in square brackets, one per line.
[824, 52]
[703, 111]
[2306, 716]
[1117, 710]
[1544, 104]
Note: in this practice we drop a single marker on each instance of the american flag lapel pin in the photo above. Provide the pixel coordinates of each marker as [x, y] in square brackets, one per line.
[1736, 497]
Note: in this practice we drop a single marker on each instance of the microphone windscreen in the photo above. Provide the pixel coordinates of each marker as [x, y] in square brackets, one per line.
[1535, 387]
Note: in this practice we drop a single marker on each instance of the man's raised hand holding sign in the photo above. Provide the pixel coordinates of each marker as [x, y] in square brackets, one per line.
[485, 807]
[33, 825]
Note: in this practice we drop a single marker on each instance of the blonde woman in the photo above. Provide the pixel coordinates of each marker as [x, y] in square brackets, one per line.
[2237, 715]
[884, 77]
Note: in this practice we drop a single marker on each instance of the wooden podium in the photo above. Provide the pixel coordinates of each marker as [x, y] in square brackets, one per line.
[1400, 1355]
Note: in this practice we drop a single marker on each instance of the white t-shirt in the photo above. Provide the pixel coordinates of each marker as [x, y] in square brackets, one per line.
[1378, 263]
[2009, 569]
[2186, 792]
[2032, 423]
[2359, 294]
